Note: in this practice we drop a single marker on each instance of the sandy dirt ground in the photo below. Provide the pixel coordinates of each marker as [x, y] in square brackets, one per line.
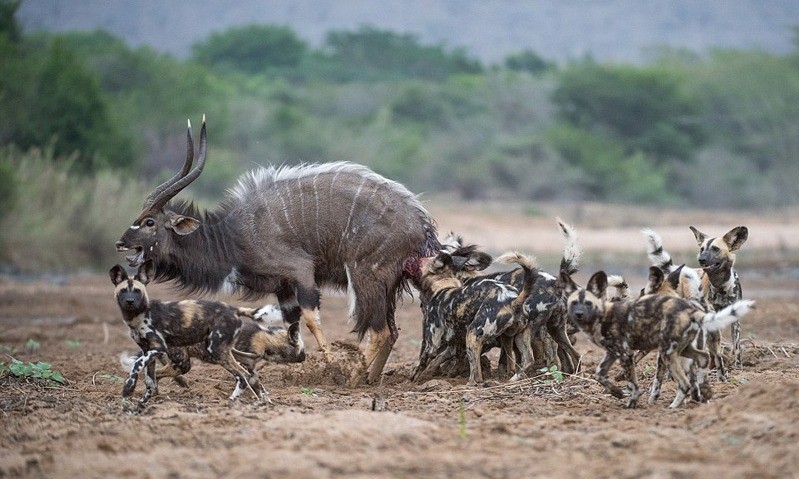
[318, 426]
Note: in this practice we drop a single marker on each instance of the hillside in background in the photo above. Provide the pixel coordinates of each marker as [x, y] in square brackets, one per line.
[608, 30]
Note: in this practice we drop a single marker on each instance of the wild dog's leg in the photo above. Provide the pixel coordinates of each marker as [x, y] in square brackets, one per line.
[558, 333]
[151, 383]
[539, 351]
[242, 376]
[523, 342]
[474, 346]
[602, 375]
[735, 329]
[140, 363]
[628, 364]
[677, 373]
[660, 376]
[713, 340]
[434, 365]
[695, 361]
[507, 358]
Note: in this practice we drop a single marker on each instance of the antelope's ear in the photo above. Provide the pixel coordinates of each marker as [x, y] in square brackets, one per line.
[598, 284]
[736, 237]
[118, 274]
[146, 272]
[700, 237]
[180, 224]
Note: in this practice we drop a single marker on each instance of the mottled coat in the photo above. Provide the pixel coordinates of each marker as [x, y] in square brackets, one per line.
[545, 307]
[462, 318]
[666, 323]
[158, 326]
[719, 285]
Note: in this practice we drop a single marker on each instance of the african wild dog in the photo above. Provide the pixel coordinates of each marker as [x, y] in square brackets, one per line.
[254, 342]
[720, 286]
[655, 321]
[545, 307]
[157, 326]
[460, 318]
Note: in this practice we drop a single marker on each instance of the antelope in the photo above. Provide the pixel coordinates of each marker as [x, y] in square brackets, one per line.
[287, 231]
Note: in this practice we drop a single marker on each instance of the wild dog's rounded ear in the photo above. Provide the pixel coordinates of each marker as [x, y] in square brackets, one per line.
[294, 333]
[567, 283]
[146, 272]
[478, 261]
[442, 260]
[655, 278]
[674, 277]
[700, 237]
[598, 284]
[180, 224]
[736, 237]
[118, 274]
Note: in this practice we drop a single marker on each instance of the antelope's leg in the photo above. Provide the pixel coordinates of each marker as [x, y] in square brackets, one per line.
[377, 351]
[372, 310]
[311, 318]
[303, 305]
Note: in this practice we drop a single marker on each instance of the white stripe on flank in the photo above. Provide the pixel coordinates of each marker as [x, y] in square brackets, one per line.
[316, 201]
[351, 294]
[352, 213]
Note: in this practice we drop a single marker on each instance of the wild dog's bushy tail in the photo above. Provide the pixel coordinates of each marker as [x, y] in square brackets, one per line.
[528, 264]
[126, 360]
[657, 255]
[621, 287]
[266, 315]
[571, 250]
[715, 321]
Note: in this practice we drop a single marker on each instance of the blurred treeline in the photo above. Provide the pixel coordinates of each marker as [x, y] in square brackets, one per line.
[93, 116]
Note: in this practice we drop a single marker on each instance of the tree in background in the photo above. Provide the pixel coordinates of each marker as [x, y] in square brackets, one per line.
[528, 61]
[250, 49]
[646, 109]
[380, 54]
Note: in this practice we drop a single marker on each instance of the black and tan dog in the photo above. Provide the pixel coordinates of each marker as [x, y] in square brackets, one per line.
[659, 322]
[255, 342]
[460, 318]
[158, 326]
[545, 307]
[720, 285]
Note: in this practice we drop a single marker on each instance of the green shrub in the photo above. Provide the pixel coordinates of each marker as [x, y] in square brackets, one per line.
[60, 220]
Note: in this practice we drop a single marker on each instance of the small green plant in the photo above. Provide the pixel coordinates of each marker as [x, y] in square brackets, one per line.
[552, 374]
[32, 345]
[462, 412]
[10, 350]
[73, 343]
[415, 342]
[39, 370]
[111, 378]
[308, 391]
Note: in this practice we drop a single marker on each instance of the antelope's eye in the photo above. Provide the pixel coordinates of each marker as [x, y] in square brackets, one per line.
[149, 222]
